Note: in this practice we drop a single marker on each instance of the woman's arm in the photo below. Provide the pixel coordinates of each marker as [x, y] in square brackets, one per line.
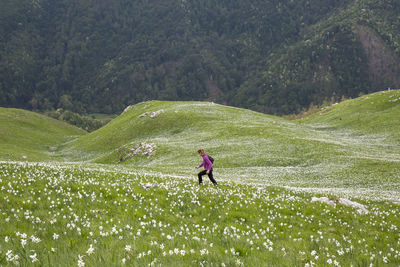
[202, 164]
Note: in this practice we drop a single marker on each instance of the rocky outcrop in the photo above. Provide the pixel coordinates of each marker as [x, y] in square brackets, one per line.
[152, 115]
[142, 149]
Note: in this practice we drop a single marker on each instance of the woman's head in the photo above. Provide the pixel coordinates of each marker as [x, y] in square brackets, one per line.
[200, 151]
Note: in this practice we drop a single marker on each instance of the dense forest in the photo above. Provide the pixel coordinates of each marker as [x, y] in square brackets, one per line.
[274, 56]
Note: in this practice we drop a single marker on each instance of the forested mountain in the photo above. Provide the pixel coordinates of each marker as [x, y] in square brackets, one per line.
[274, 56]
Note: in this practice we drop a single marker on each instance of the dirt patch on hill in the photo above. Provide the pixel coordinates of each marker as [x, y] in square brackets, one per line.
[383, 63]
[215, 92]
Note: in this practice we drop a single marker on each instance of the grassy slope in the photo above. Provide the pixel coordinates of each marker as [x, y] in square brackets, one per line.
[29, 134]
[358, 152]
[373, 114]
[239, 139]
[70, 209]
[349, 148]
[185, 126]
[368, 128]
[177, 223]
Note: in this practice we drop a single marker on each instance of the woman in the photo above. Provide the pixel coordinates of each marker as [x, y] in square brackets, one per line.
[207, 167]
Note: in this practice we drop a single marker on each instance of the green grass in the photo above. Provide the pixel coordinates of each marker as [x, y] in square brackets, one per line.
[58, 212]
[374, 114]
[346, 149]
[350, 146]
[26, 135]
[268, 168]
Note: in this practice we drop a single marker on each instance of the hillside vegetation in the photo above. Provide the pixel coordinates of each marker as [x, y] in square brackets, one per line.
[353, 144]
[89, 203]
[31, 136]
[374, 114]
[347, 148]
[271, 56]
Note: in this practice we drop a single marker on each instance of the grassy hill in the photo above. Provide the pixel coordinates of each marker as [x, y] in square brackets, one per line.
[149, 209]
[373, 114]
[349, 148]
[30, 136]
[352, 145]
[182, 128]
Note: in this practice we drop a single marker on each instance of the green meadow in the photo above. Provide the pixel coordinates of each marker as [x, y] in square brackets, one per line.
[30, 136]
[127, 193]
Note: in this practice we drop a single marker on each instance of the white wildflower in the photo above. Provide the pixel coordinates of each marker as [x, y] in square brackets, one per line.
[33, 258]
[81, 263]
[55, 236]
[90, 250]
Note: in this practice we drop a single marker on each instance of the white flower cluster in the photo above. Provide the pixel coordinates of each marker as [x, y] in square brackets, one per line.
[10, 257]
[395, 99]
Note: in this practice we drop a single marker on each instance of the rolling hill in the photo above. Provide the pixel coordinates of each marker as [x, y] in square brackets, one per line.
[30, 136]
[347, 148]
[373, 114]
[76, 198]
[353, 144]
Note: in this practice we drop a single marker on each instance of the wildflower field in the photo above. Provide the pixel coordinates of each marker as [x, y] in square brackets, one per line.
[59, 215]
[322, 191]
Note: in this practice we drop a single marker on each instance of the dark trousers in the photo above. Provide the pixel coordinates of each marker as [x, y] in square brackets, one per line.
[210, 175]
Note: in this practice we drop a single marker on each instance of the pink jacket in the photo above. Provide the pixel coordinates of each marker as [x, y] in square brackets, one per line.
[206, 163]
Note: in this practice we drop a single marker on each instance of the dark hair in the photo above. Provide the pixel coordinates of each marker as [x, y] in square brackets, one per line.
[200, 150]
